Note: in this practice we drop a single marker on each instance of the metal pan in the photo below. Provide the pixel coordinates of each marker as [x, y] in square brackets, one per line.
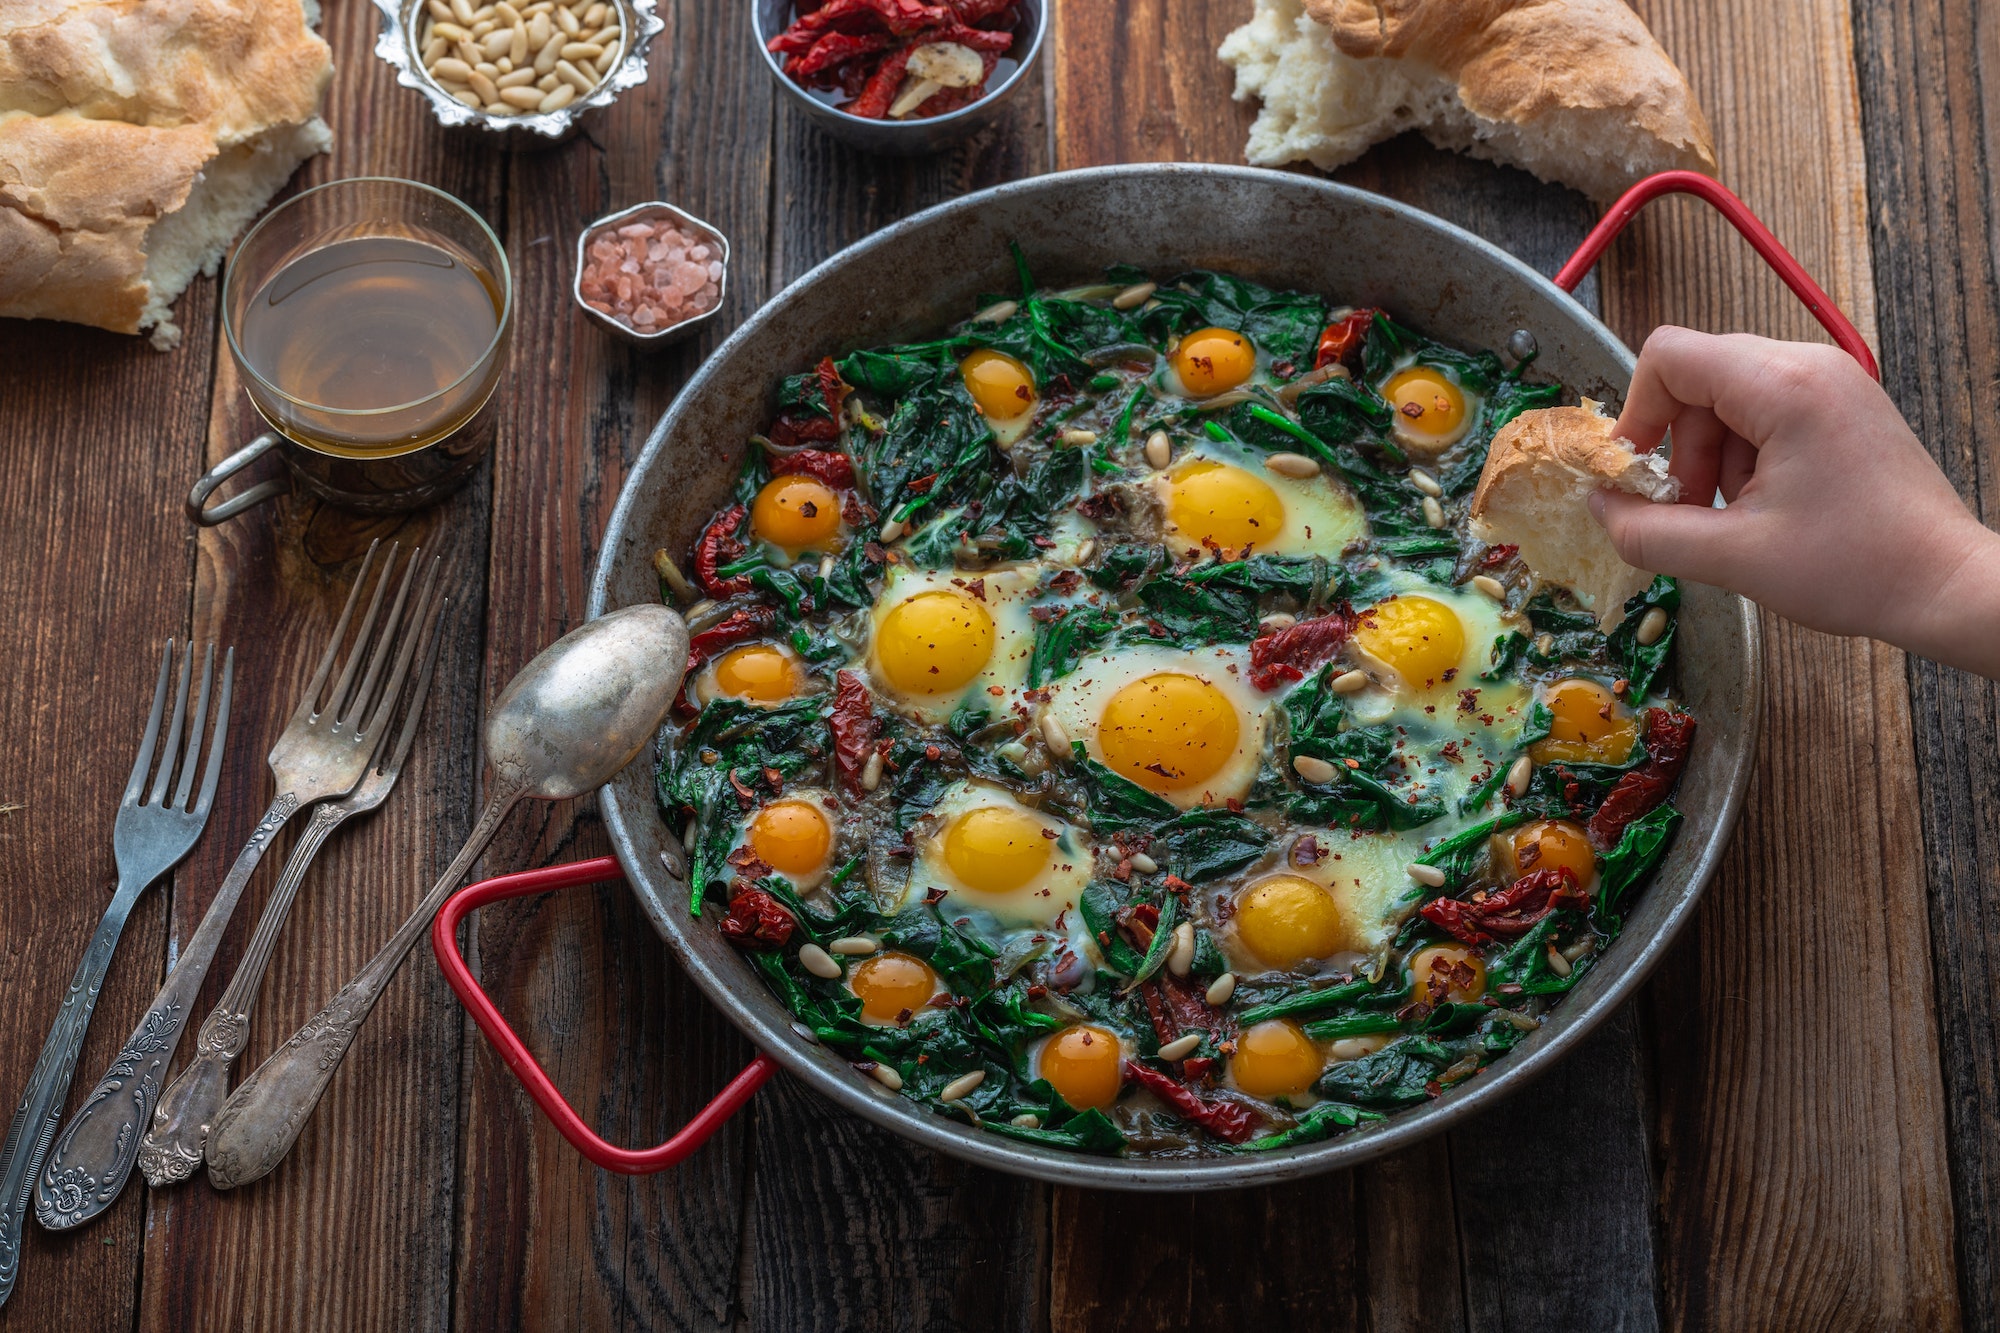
[911, 279]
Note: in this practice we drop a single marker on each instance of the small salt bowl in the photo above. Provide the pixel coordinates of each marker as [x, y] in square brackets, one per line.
[657, 214]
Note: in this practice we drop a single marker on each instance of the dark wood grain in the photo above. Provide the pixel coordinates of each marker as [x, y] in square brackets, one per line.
[1932, 129]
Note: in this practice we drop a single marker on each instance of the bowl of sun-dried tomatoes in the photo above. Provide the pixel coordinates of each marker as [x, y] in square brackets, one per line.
[900, 76]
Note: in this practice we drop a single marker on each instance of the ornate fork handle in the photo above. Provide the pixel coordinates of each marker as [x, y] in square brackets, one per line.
[35, 1120]
[95, 1153]
[261, 1120]
[171, 1149]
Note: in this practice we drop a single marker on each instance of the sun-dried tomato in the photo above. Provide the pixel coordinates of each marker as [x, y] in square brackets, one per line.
[1497, 556]
[834, 49]
[792, 428]
[854, 727]
[1669, 735]
[1229, 1121]
[716, 547]
[833, 390]
[1508, 913]
[824, 465]
[1340, 341]
[756, 920]
[1287, 654]
[972, 11]
[873, 101]
[737, 626]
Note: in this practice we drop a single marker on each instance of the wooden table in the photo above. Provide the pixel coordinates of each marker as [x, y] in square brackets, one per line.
[1798, 1126]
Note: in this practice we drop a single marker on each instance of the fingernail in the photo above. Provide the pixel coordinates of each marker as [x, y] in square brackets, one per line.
[1596, 503]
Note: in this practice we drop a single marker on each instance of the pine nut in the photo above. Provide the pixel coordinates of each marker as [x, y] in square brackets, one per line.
[826, 567]
[1086, 551]
[1220, 989]
[1491, 586]
[1180, 1048]
[438, 9]
[1180, 954]
[467, 96]
[1134, 296]
[461, 10]
[539, 31]
[482, 30]
[451, 32]
[573, 76]
[1297, 466]
[891, 530]
[887, 1077]
[1580, 948]
[506, 13]
[1518, 775]
[1651, 626]
[1557, 963]
[488, 68]
[1349, 682]
[594, 16]
[1525, 1022]
[519, 78]
[1351, 1048]
[467, 52]
[804, 1033]
[1429, 876]
[997, 313]
[1026, 1120]
[871, 772]
[1425, 482]
[1276, 621]
[1159, 449]
[567, 22]
[1545, 644]
[1433, 512]
[1313, 770]
[963, 1086]
[855, 946]
[434, 50]
[582, 51]
[497, 43]
[548, 83]
[527, 98]
[1143, 863]
[1056, 738]
[818, 962]
[545, 59]
[1079, 437]
[453, 70]
[517, 48]
[484, 87]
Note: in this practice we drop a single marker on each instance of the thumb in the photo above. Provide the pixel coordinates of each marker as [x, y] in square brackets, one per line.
[1682, 540]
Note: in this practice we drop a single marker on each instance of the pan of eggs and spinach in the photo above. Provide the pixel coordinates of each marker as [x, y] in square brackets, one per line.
[1101, 729]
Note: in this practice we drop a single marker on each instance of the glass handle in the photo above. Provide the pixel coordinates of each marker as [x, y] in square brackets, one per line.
[212, 479]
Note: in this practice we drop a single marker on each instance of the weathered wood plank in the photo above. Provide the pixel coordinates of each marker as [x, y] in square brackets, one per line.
[853, 1228]
[1802, 1144]
[1931, 123]
[546, 1239]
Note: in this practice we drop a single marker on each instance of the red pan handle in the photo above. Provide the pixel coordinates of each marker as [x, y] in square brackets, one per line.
[444, 941]
[1739, 216]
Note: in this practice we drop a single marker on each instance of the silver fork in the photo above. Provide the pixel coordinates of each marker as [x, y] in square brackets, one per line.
[149, 839]
[323, 751]
[171, 1150]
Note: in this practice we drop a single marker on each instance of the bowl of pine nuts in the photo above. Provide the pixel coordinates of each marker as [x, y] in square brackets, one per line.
[533, 65]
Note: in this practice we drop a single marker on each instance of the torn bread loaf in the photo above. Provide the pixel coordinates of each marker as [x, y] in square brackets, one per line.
[137, 140]
[1534, 495]
[1575, 91]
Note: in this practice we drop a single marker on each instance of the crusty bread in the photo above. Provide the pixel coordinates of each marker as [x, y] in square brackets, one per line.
[137, 138]
[1533, 494]
[1576, 91]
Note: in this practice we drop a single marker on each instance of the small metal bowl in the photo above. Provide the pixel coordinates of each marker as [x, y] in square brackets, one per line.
[917, 135]
[673, 333]
[397, 45]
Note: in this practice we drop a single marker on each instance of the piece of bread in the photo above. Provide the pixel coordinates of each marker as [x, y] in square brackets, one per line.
[137, 140]
[1575, 91]
[1534, 493]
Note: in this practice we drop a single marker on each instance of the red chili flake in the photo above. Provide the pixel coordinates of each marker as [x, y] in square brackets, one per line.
[751, 864]
[737, 626]
[716, 547]
[854, 726]
[1228, 1121]
[1340, 341]
[1176, 885]
[1669, 735]
[1287, 654]
[1497, 556]
[1468, 701]
[1103, 508]
[1509, 913]
[756, 920]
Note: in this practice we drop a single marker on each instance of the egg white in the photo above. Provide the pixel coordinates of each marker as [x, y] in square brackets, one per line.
[1321, 514]
[1056, 891]
[824, 802]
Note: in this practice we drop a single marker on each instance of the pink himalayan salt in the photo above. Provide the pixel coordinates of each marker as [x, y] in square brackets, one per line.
[651, 275]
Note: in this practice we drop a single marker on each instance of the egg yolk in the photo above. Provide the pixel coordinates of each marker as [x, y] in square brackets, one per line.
[1430, 409]
[1220, 505]
[1212, 361]
[1274, 1059]
[1168, 731]
[997, 848]
[1416, 637]
[1447, 972]
[1549, 844]
[795, 512]
[1002, 387]
[934, 642]
[791, 836]
[1084, 1064]
[890, 985]
[1287, 919]
[760, 672]
[1589, 725]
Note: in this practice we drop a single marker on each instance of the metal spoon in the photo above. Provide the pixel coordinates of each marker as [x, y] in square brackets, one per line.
[574, 717]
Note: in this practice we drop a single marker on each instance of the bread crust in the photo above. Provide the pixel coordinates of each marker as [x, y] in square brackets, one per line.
[1576, 439]
[1530, 63]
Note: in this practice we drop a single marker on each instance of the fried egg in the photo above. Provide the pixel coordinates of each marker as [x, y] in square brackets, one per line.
[796, 514]
[1183, 723]
[939, 640]
[992, 855]
[795, 836]
[759, 673]
[1003, 389]
[1216, 498]
[1433, 411]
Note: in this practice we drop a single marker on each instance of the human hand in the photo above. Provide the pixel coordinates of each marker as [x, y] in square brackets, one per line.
[1836, 516]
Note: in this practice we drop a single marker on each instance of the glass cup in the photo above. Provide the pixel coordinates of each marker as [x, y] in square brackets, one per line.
[372, 378]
